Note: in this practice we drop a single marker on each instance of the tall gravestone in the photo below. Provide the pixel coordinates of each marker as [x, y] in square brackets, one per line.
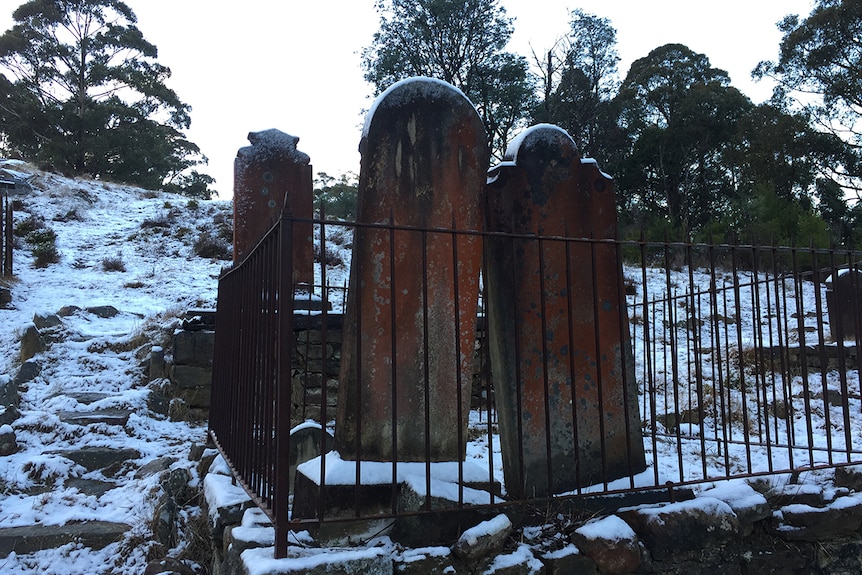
[409, 327]
[560, 356]
[269, 175]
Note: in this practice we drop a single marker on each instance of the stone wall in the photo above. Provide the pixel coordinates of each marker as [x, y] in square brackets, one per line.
[766, 526]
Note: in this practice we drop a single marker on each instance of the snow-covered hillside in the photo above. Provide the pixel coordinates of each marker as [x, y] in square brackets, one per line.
[133, 250]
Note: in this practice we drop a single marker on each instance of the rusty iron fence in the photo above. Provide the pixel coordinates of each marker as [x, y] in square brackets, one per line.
[739, 373]
[6, 230]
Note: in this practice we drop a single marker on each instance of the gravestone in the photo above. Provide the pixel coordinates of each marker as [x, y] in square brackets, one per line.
[561, 363]
[409, 327]
[844, 303]
[270, 175]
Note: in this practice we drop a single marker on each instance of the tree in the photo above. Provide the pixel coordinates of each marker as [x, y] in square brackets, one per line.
[579, 77]
[89, 97]
[820, 69]
[681, 116]
[337, 197]
[461, 42]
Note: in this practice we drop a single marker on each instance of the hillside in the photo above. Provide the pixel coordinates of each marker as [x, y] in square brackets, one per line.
[127, 267]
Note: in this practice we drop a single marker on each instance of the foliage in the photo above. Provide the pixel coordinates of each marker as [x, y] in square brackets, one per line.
[820, 68]
[88, 97]
[336, 197]
[579, 77]
[43, 243]
[461, 42]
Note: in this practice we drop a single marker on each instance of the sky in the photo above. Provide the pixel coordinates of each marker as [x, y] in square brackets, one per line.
[295, 66]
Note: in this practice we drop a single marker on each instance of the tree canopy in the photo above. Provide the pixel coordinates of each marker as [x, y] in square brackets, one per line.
[85, 94]
[461, 42]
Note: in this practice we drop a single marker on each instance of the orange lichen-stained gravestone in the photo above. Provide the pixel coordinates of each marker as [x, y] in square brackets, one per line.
[268, 174]
[409, 328]
[560, 360]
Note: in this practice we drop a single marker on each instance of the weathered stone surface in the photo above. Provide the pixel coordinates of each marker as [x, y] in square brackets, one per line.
[802, 494]
[93, 458]
[305, 444]
[29, 371]
[373, 561]
[849, 477]
[29, 539]
[696, 524]
[45, 321]
[424, 164]
[226, 502]
[103, 311]
[8, 441]
[559, 345]
[519, 562]
[425, 561]
[155, 466]
[271, 175]
[610, 543]
[843, 300]
[189, 376]
[68, 310]
[157, 368]
[749, 505]
[806, 523]
[484, 539]
[568, 561]
[32, 343]
[94, 487]
[8, 414]
[107, 416]
[194, 348]
[88, 397]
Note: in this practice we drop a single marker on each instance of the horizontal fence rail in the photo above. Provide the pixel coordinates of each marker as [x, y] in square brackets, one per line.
[726, 353]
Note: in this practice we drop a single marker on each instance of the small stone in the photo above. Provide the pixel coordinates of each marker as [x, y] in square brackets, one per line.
[46, 321]
[32, 343]
[8, 441]
[68, 310]
[611, 543]
[103, 311]
[484, 539]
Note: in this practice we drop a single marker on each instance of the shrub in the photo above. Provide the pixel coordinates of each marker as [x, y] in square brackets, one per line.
[44, 245]
[209, 246]
[114, 264]
[28, 225]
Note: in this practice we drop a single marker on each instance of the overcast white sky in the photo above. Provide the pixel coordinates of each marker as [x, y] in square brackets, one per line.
[250, 65]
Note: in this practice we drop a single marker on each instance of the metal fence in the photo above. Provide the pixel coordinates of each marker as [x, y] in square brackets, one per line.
[739, 372]
[6, 230]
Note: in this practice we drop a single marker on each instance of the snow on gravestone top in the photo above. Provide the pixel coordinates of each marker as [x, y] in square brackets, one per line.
[407, 92]
[272, 143]
[541, 137]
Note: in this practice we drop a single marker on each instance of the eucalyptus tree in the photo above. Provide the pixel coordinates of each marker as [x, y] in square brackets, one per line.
[461, 42]
[84, 92]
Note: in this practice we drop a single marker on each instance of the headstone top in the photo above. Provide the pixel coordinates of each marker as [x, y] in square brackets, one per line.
[541, 138]
[273, 143]
[408, 91]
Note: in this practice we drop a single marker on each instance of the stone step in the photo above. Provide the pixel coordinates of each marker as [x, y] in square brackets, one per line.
[32, 538]
[93, 458]
[108, 416]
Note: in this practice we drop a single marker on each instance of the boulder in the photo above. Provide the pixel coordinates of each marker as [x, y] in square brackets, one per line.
[610, 543]
[484, 539]
[696, 524]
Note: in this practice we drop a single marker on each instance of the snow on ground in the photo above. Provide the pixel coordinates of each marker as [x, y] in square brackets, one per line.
[147, 240]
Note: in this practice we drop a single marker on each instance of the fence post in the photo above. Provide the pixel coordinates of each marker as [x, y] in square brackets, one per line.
[283, 387]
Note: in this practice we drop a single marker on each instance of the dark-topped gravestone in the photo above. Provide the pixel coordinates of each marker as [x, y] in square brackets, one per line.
[269, 176]
[844, 302]
[409, 327]
[560, 357]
